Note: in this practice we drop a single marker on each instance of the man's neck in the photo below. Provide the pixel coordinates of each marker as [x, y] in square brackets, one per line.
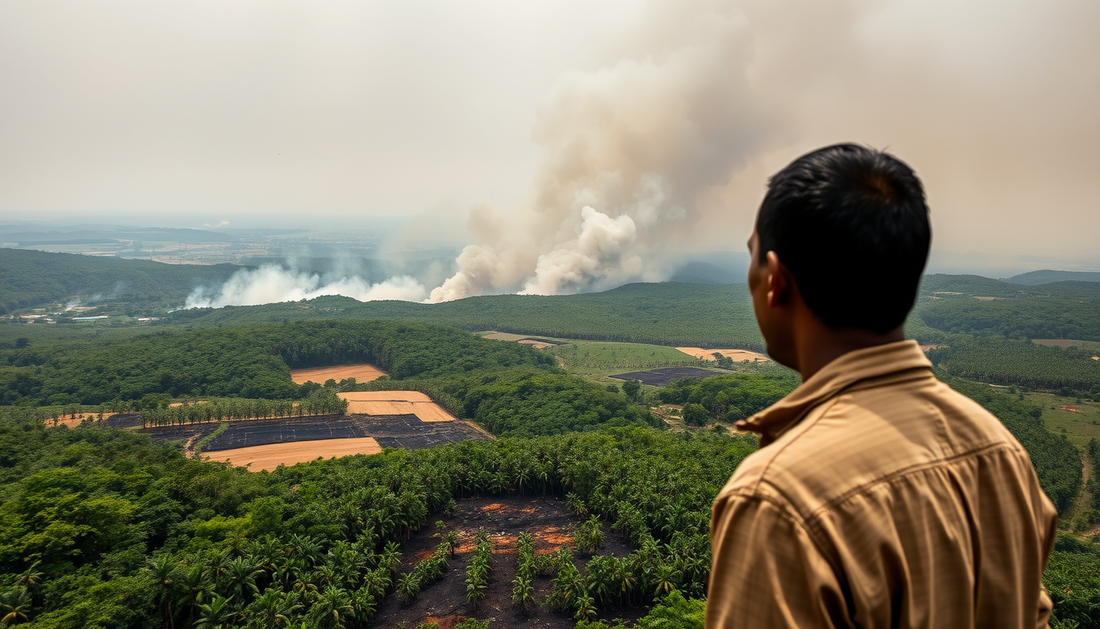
[818, 345]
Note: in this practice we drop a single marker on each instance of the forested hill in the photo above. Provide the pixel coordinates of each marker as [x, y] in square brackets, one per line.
[669, 313]
[942, 286]
[32, 278]
[247, 361]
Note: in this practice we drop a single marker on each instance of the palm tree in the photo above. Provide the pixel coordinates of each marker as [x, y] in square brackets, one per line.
[586, 607]
[162, 570]
[523, 592]
[273, 608]
[333, 607]
[215, 615]
[15, 606]
[241, 575]
[667, 579]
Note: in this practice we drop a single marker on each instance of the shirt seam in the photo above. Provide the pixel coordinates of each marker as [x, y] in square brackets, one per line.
[896, 474]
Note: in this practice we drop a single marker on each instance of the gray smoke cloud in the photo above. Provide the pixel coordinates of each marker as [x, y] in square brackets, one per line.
[271, 283]
[629, 148]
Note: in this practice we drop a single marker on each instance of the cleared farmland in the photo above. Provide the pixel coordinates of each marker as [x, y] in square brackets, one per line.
[389, 431]
[271, 456]
[362, 372]
[661, 377]
[396, 403]
[737, 355]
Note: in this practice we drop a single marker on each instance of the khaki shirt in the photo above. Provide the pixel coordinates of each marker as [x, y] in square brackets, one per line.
[880, 498]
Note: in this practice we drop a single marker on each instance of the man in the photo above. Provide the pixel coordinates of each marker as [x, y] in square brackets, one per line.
[879, 497]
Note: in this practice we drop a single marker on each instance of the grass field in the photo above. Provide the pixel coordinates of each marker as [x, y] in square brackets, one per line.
[597, 359]
[1078, 426]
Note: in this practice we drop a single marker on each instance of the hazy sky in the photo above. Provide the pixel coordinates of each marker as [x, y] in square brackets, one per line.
[524, 111]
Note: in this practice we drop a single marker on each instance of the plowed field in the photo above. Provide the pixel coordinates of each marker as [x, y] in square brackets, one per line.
[361, 372]
[269, 457]
[737, 355]
[243, 437]
[396, 403]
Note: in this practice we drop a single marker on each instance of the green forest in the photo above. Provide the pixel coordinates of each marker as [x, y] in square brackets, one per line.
[102, 527]
[34, 278]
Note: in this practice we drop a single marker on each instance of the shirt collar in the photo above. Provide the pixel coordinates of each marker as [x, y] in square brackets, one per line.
[890, 360]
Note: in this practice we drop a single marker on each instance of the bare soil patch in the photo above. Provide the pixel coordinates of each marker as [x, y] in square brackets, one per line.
[396, 403]
[73, 422]
[932, 346]
[269, 457]
[537, 344]
[362, 372]
[503, 518]
[737, 355]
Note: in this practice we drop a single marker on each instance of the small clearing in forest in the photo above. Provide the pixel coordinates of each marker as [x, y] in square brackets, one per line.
[503, 518]
[362, 372]
[737, 355]
[396, 403]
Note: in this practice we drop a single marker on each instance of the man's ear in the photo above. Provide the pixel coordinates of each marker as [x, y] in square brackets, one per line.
[780, 281]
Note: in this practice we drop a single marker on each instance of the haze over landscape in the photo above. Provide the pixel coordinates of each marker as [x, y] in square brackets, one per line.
[433, 314]
[554, 147]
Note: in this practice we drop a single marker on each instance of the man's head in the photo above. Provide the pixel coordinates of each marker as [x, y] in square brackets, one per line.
[849, 226]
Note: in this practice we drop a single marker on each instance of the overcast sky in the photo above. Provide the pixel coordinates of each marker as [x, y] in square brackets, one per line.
[431, 109]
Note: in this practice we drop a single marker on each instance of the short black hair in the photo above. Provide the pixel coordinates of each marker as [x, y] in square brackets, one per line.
[851, 225]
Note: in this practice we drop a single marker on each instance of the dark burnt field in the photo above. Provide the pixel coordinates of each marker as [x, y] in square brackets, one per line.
[661, 377]
[504, 518]
[391, 431]
[123, 420]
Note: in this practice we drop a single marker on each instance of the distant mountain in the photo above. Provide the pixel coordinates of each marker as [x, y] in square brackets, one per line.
[947, 286]
[32, 278]
[705, 273]
[1047, 276]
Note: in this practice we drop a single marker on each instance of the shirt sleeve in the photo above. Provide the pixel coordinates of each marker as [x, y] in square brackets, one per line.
[766, 570]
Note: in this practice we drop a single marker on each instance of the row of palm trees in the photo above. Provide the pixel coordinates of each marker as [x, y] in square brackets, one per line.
[320, 402]
[479, 568]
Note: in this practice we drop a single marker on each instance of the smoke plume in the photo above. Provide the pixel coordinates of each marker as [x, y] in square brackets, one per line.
[628, 151]
[273, 284]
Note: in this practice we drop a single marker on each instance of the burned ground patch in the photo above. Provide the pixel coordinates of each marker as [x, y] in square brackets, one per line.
[661, 377]
[503, 518]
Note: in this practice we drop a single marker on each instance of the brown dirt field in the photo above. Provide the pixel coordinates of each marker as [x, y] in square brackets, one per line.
[73, 422]
[504, 336]
[737, 355]
[396, 403]
[535, 344]
[925, 348]
[361, 372]
[270, 456]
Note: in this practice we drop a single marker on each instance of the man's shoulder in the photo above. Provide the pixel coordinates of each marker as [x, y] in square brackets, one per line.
[863, 436]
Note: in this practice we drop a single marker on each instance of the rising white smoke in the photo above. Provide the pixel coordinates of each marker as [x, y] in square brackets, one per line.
[628, 151]
[273, 284]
